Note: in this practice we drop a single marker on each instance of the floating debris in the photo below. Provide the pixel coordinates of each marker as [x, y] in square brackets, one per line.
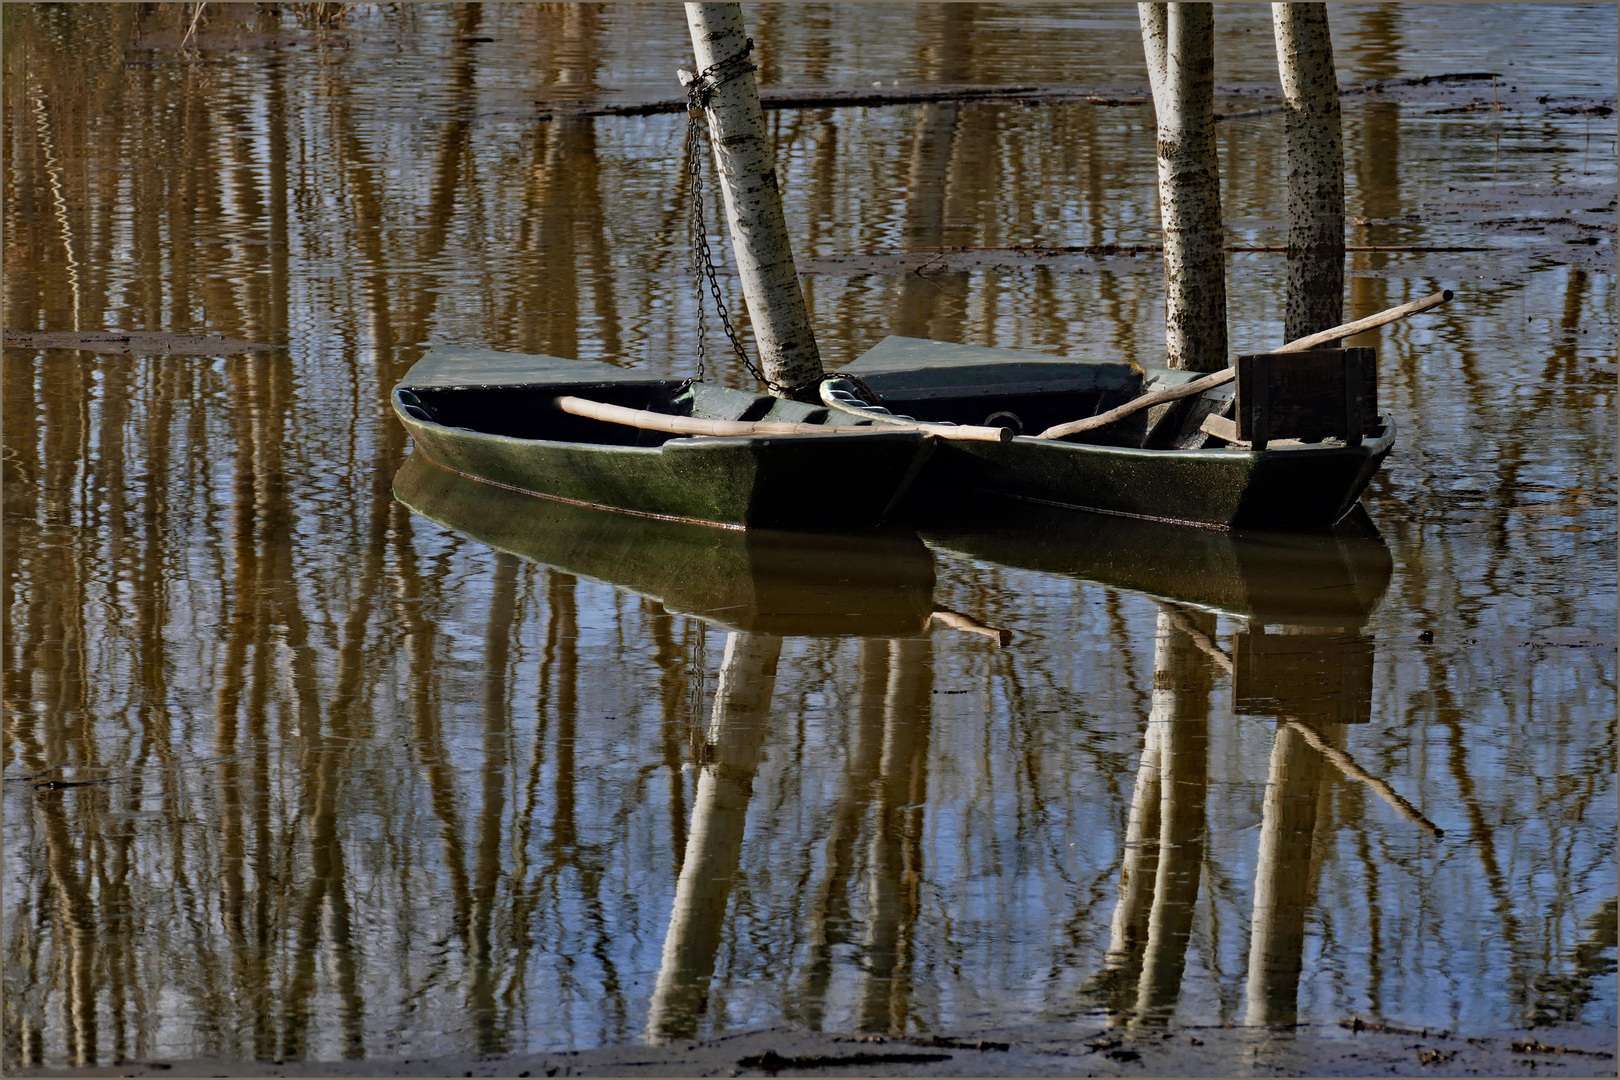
[132, 342]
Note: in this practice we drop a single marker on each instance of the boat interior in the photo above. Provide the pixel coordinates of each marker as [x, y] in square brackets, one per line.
[525, 412]
[1297, 402]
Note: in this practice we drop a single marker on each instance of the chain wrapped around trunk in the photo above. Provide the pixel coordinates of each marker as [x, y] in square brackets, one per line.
[698, 89]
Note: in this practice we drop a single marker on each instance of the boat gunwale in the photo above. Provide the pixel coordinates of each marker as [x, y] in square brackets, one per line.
[681, 441]
[1376, 444]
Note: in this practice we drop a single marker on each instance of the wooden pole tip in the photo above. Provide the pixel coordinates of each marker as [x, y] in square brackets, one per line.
[1447, 293]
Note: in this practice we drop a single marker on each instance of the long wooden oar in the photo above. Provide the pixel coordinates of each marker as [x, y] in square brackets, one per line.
[838, 395]
[1198, 386]
[694, 425]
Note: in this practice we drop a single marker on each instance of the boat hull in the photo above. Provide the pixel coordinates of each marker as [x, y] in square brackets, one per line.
[778, 482]
[1298, 487]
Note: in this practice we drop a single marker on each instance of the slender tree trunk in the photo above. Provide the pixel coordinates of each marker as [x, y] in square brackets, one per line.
[1179, 40]
[745, 162]
[1315, 146]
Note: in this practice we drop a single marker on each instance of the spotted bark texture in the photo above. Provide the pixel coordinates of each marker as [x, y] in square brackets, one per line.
[759, 235]
[1179, 40]
[1315, 149]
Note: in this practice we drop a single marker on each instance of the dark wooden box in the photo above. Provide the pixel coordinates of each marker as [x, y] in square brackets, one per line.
[1326, 393]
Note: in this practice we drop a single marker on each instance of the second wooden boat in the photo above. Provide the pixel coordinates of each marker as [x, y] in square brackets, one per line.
[1159, 464]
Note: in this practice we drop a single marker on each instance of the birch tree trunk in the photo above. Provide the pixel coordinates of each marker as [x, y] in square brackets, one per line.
[1179, 40]
[1315, 147]
[745, 163]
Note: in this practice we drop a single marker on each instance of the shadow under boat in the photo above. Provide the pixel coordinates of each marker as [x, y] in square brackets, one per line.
[1334, 578]
[759, 581]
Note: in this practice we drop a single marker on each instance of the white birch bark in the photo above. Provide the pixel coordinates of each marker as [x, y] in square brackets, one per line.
[1315, 149]
[742, 701]
[744, 160]
[1179, 41]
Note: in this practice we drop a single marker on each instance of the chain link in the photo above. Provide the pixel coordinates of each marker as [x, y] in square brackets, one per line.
[696, 724]
[697, 100]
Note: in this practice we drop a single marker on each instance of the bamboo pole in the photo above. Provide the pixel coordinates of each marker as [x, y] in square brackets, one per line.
[746, 165]
[1198, 386]
[696, 425]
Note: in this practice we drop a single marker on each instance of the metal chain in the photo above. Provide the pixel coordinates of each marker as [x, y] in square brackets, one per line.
[697, 100]
[696, 728]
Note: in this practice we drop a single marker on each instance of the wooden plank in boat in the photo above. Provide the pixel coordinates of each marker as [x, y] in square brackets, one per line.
[454, 367]
[919, 369]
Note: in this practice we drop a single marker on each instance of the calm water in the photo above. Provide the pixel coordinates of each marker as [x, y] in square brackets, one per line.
[381, 776]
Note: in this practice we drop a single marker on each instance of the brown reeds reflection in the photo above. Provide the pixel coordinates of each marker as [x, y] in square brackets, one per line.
[894, 888]
[830, 910]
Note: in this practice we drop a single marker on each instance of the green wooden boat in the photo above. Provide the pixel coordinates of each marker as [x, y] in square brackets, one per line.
[492, 416]
[873, 583]
[1143, 467]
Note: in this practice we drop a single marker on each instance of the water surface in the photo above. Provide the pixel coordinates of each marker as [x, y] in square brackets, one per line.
[377, 774]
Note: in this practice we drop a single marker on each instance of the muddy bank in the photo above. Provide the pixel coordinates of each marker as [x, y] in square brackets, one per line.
[1375, 1049]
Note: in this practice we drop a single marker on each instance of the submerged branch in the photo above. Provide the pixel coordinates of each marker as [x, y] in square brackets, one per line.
[800, 97]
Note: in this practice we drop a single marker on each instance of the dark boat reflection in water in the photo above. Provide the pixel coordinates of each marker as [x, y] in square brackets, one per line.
[761, 586]
[758, 581]
[1303, 663]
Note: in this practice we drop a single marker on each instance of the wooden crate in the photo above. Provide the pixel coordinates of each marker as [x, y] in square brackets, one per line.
[1326, 393]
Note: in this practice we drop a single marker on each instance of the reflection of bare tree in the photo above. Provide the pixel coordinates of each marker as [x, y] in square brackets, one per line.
[1284, 881]
[894, 890]
[736, 734]
[564, 226]
[1164, 839]
[1376, 161]
[942, 177]
[672, 692]
[490, 1037]
[829, 913]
